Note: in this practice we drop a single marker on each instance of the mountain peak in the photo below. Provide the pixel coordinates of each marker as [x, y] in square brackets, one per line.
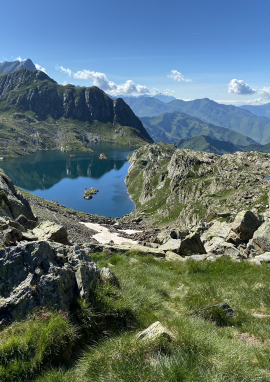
[10, 67]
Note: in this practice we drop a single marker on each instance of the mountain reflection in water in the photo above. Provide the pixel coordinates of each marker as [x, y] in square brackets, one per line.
[55, 175]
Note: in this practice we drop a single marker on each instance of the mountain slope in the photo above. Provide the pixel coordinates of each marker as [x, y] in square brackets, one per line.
[259, 110]
[232, 117]
[10, 67]
[170, 127]
[208, 144]
[37, 113]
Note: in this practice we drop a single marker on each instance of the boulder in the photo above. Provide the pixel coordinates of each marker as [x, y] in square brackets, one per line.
[245, 224]
[191, 245]
[218, 246]
[102, 156]
[107, 276]
[171, 256]
[264, 257]
[12, 236]
[156, 331]
[12, 202]
[42, 274]
[172, 245]
[218, 229]
[51, 231]
[261, 238]
[26, 223]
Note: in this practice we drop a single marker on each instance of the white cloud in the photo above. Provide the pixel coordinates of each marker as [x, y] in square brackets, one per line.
[265, 92]
[100, 80]
[240, 87]
[65, 70]
[177, 76]
[39, 67]
[20, 59]
[167, 92]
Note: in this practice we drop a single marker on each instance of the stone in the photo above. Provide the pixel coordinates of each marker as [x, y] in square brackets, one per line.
[156, 331]
[26, 223]
[133, 261]
[218, 246]
[245, 224]
[102, 156]
[107, 276]
[264, 257]
[51, 231]
[172, 256]
[223, 306]
[261, 238]
[172, 245]
[126, 247]
[218, 229]
[43, 274]
[191, 245]
[12, 236]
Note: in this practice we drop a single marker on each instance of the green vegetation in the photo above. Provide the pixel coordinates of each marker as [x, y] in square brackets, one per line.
[229, 116]
[209, 345]
[172, 127]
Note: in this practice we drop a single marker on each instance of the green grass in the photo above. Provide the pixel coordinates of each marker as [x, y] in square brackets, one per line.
[207, 347]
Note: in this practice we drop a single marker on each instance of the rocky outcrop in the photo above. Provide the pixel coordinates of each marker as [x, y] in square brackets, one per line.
[43, 274]
[10, 67]
[51, 231]
[187, 188]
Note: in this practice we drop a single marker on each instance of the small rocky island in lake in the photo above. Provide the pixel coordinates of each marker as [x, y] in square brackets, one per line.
[102, 156]
[88, 194]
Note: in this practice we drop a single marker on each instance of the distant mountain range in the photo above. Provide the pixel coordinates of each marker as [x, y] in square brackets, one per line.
[232, 117]
[259, 110]
[170, 127]
[10, 67]
[210, 145]
[161, 97]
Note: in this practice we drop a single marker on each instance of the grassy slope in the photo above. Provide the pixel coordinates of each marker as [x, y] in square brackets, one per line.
[170, 127]
[21, 136]
[216, 348]
[232, 117]
[207, 144]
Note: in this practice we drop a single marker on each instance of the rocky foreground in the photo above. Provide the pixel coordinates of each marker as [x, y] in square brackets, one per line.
[45, 248]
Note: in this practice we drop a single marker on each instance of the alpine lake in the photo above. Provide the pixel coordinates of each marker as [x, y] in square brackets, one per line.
[64, 176]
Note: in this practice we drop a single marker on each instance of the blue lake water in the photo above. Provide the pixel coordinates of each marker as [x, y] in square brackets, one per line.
[54, 175]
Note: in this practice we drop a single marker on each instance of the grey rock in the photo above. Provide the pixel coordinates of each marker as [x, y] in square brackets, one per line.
[26, 223]
[245, 224]
[107, 276]
[191, 245]
[154, 332]
[12, 236]
[51, 231]
[43, 274]
[171, 256]
[171, 245]
[218, 246]
[261, 238]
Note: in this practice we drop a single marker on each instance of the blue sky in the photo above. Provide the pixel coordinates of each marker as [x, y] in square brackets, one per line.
[121, 44]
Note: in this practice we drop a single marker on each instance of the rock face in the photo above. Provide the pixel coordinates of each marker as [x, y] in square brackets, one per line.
[261, 238]
[188, 188]
[35, 91]
[43, 274]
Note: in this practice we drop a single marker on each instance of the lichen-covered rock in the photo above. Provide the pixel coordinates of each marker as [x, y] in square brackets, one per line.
[172, 256]
[12, 203]
[261, 238]
[218, 229]
[43, 274]
[154, 332]
[218, 246]
[245, 224]
[171, 245]
[107, 276]
[51, 231]
[191, 245]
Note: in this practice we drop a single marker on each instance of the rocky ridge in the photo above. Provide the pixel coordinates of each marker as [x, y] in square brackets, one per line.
[37, 113]
[170, 185]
